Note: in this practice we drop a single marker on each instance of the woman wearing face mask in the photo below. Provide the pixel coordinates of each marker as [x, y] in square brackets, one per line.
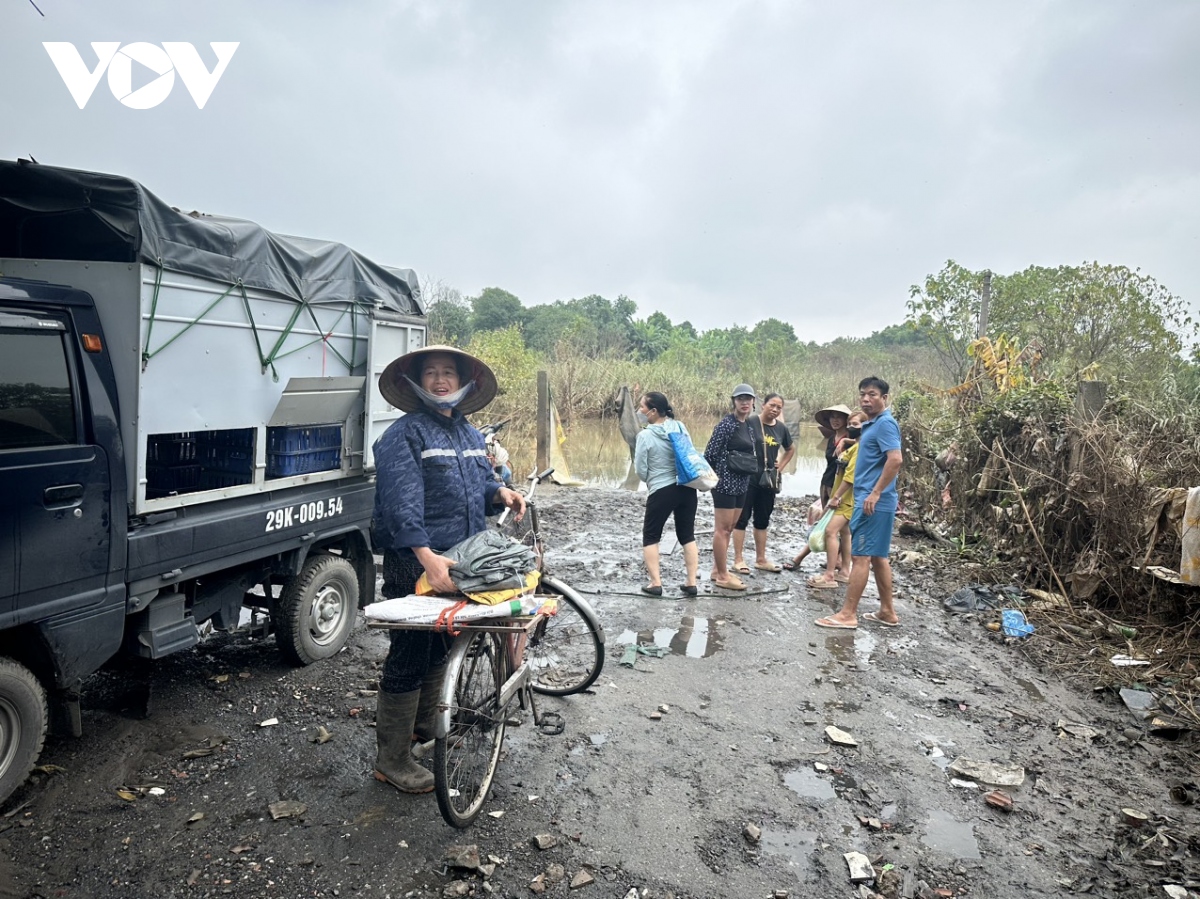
[841, 498]
[731, 435]
[654, 460]
[434, 488]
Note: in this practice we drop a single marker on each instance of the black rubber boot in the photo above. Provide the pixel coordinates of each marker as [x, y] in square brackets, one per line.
[394, 763]
[431, 691]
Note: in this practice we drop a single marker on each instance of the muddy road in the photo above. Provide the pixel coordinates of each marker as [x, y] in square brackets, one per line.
[733, 789]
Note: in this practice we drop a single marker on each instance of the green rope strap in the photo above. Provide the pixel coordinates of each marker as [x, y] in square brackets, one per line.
[267, 361]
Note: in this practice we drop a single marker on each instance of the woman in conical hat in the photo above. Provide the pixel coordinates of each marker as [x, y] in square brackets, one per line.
[433, 488]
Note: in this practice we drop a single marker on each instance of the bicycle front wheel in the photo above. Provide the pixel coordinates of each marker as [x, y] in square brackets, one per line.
[465, 760]
[566, 652]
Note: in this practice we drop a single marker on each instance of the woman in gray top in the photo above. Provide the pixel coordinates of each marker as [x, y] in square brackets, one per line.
[654, 460]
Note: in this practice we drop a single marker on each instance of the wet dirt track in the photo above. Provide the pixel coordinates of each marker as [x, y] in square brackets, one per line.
[657, 805]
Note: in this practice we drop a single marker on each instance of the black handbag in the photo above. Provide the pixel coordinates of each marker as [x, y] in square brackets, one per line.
[741, 463]
[770, 478]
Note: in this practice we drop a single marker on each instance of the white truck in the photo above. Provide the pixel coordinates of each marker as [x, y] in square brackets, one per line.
[187, 409]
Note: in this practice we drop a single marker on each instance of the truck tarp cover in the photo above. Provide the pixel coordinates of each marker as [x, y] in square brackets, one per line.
[55, 213]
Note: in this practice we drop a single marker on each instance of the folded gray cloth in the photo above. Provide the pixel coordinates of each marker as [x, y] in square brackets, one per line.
[489, 561]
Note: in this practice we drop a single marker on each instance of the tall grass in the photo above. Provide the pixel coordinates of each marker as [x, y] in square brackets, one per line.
[586, 387]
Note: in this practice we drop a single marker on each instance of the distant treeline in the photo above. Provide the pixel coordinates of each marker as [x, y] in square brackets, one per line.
[1087, 321]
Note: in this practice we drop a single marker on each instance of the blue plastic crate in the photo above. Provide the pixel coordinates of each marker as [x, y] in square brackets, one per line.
[285, 465]
[302, 438]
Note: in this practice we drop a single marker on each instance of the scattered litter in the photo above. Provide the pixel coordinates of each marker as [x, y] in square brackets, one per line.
[321, 736]
[839, 737]
[633, 650]
[287, 808]
[1133, 817]
[1046, 600]
[127, 795]
[1181, 794]
[220, 678]
[1175, 891]
[860, 867]
[1141, 702]
[499, 813]
[656, 716]
[157, 791]
[820, 767]
[270, 722]
[752, 833]
[978, 597]
[545, 841]
[1079, 731]
[199, 816]
[964, 784]
[999, 799]
[664, 708]
[1124, 661]
[1014, 624]
[872, 823]
[987, 772]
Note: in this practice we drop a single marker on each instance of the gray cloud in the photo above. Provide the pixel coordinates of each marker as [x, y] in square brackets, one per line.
[720, 161]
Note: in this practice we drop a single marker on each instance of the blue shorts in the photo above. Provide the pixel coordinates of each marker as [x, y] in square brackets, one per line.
[871, 535]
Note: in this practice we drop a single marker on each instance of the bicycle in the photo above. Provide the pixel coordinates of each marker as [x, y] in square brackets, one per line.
[495, 663]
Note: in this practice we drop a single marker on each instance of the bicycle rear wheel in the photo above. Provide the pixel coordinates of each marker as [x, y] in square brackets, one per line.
[465, 760]
[566, 652]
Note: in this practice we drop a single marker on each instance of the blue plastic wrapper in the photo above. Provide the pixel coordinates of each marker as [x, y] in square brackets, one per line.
[1014, 624]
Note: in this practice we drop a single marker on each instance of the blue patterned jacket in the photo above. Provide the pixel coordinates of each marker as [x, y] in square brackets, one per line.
[433, 483]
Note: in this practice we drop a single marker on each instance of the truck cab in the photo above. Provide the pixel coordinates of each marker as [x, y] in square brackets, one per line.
[188, 406]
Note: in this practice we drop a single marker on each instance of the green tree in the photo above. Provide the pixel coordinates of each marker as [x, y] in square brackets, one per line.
[495, 309]
[449, 314]
[945, 311]
[1106, 318]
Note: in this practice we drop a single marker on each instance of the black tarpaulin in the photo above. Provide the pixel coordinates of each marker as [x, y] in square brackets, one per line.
[55, 213]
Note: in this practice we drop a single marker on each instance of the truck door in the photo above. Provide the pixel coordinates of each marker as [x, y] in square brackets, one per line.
[54, 484]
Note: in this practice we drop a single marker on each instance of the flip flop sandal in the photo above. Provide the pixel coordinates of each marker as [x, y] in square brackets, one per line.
[842, 578]
[768, 566]
[835, 625]
[730, 583]
[818, 583]
[790, 566]
[741, 568]
[875, 619]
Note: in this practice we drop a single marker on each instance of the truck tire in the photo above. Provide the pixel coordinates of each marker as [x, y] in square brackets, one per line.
[22, 724]
[315, 613]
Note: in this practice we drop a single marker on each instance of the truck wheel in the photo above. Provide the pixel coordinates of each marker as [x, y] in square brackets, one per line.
[315, 612]
[22, 724]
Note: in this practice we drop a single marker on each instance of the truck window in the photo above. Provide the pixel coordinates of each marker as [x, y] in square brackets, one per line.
[37, 407]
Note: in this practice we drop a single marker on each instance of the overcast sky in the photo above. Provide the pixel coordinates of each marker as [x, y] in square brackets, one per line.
[722, 162]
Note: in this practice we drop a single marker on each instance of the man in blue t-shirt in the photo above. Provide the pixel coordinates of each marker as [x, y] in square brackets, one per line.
[875, 501]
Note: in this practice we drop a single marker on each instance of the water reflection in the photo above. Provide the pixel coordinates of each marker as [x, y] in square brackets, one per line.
[797, 846]
[944, 834]
[598, 454]
[696, 638]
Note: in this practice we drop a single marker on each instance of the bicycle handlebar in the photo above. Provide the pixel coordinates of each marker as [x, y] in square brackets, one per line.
[534, 480]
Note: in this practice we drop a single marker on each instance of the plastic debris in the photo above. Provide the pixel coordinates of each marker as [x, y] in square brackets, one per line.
[1133, 817]
[1014, 624]
[860, 867]
[1124, 661]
